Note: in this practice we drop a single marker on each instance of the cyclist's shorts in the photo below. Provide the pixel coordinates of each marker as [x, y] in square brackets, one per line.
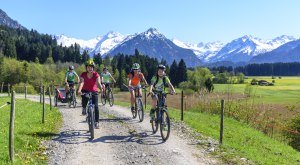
[135, 87]
[71, 84]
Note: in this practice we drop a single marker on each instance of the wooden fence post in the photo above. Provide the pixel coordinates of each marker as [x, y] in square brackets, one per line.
[50, 101]
[222, 122]
[8, 89]
[2, 87]
[41, 94]
[25, 91]
[11, 127]
[145, 98]
[43, 116]
[182, 105]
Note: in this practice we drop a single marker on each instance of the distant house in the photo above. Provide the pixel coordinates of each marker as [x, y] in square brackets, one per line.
[264, 83]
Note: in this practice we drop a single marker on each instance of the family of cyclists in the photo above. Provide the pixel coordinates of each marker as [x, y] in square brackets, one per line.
[91, 81]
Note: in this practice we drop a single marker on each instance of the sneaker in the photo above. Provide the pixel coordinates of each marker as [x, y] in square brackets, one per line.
[97, 125]
[83, 111]
[132, 109]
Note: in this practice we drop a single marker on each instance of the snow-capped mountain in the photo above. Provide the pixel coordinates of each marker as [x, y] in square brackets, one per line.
[289, 52]
[203, 51]
[85, 45]
[107, 42]
[247, 47]
[156, 45]
[100, 44]
[7, 21]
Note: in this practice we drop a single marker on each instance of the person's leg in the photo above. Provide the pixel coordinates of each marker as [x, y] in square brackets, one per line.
[84, 102]
[95, 102]
[132, 99]
[152, 111]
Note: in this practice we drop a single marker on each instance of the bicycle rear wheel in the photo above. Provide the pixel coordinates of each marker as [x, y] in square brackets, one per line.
[165, 125]
[140, 109]
[91, 121]
[110, 98]
[154, 122]
[103, 98]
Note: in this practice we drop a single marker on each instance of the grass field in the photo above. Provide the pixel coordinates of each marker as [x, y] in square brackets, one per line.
[286, 90]
[240, 140]
[29, 131]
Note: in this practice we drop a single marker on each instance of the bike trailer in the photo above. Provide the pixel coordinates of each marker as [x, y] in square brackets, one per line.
[61, 93]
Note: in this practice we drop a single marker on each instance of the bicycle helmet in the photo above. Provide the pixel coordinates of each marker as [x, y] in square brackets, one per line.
[161, 66]
[71, 67]
[135, 66]
[90, 62]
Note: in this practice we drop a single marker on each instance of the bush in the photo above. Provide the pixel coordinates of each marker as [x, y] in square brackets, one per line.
[294, 139]
[20, 88]
[254, 82]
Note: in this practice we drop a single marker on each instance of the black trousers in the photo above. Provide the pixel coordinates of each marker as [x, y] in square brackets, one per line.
[94, 101]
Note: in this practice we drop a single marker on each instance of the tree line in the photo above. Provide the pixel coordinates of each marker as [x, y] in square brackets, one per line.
[266, 69]
[32, 46]
[121, 65]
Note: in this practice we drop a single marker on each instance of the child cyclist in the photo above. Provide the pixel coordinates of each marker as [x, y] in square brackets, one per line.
[158, 84]
[106, 76]
[135, 77]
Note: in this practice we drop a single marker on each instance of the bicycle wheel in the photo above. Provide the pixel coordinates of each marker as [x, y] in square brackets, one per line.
[154, 122]
[103, 98]
[110, 98]
[134, 111]
[74, 101]
[165, 125]
[91, 121]
[70, 100]
[140, 109]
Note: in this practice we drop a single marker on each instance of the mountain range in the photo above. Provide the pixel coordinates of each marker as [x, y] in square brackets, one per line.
[243, 50]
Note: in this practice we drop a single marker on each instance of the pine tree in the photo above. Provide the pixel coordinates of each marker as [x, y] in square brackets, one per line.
[85, 56]
[182, 72]
[173, 73]
[98, 59]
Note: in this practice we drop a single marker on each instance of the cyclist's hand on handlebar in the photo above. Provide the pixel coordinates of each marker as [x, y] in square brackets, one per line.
[173, 92]
[79, 92]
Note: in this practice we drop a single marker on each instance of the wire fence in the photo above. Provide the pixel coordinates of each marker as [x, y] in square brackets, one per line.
[182, 101]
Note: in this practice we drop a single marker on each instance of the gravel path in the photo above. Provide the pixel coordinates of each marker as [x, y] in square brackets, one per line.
[120, 140]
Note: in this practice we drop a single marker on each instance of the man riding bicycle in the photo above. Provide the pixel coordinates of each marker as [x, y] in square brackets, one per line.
[135, 77]
[70, 79]
[158, 84]
[89, 82]
[106, 76]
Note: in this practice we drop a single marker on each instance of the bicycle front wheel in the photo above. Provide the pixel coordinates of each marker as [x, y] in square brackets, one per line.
[110, 98]
[140, 109]
[165, 125]
[91, 121]
[154, 122]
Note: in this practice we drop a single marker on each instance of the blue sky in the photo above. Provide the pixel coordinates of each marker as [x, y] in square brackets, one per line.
[187, 20]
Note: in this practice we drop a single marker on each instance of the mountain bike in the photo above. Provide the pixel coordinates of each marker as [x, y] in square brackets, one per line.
[72, 96]
[107, 95]
[90, 113]
[138, 105]
[161, 117]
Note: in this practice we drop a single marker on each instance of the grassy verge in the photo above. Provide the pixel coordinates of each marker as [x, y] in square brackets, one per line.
[29, 131]
[240, 140]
